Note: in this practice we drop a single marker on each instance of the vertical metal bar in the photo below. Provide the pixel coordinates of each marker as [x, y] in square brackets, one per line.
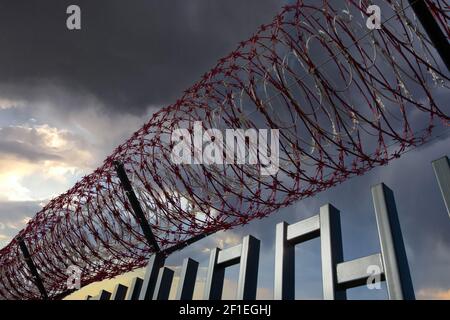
[331, 251]
[214, 278]
[248, 270]
[33, 270]
[441, 168]
[139, 214]
[135, 289]
[151, 275]
[187, 279]
[284, 286]
[104, 295]
[88, 297]
[398, 278]
[163, 284]
[432, 28]
[120, 292]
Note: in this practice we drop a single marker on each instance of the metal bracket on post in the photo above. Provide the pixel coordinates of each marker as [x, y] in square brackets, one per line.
[247, 254]
[138, 213]
[186, 283]
[441, 168]
[432, 28]
[33, 270]
[351, 274]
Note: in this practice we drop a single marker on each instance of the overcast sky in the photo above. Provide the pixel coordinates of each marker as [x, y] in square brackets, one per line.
[68, 97]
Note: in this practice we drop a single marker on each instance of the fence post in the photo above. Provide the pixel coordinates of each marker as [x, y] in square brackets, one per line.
[135, 289]
[326, 225]
[433, 30]
[151, 275]
[284, 288]
[120, 292]
[247, 254]
[163, 284]
[395, 263]
[104, 295]
[214, 278]
[248, 270]
[33, 270]
[187, 279]
[135, 205]
[331, 251]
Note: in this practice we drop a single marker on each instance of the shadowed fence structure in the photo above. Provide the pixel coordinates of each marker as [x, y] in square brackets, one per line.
[345, 99]
[390, 265]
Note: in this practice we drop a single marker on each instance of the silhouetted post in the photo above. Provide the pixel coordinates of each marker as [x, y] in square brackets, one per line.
[187, 279]
[163, 284]
[135, 205]
[135, 289]
[120, 292]
[390, 265]
[247, 254]
[151, 276]
[104, 295]
[215, 278]
[33, 270]
[284, 287]
[331, 251]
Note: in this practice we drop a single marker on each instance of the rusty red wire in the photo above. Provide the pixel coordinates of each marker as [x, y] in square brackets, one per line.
[345, 99]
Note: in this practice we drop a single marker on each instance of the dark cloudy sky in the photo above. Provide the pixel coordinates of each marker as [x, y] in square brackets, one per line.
[68, 97]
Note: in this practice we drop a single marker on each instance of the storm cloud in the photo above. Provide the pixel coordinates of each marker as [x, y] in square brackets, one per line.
[127, 55]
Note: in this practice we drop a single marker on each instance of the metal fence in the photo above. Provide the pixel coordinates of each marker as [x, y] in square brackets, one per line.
[337, 275]
[389, 265]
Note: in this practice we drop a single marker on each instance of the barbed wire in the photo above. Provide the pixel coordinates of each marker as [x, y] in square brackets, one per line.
[343, 99]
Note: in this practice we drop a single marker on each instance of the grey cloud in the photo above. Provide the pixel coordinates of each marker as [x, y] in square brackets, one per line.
[12, 217]
[128, 55]
[27, 143]
[25, 151]
[13, 211]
